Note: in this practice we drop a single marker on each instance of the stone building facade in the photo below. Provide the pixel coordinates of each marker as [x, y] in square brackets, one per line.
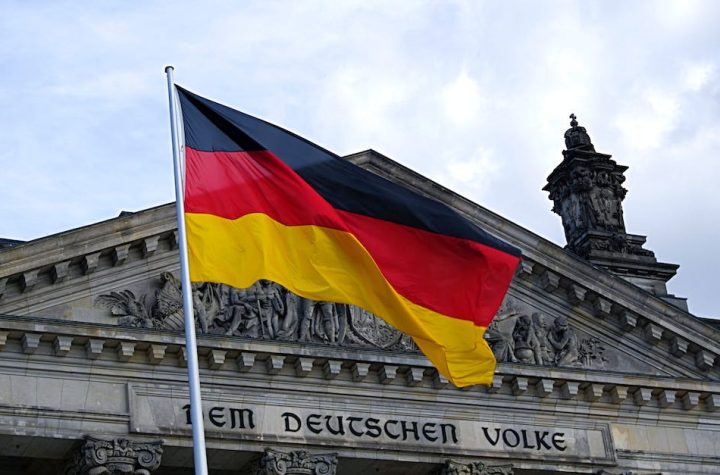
[600, 370]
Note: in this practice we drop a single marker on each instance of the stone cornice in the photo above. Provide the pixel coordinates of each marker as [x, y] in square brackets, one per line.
[117, 352]
[87, 241]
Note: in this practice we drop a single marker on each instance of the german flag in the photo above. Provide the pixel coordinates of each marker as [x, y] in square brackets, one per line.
[263, 203]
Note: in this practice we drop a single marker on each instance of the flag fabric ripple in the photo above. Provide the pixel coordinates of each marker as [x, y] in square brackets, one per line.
[264, 203]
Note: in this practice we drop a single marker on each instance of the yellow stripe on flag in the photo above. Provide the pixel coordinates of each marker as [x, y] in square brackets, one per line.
[327, 264]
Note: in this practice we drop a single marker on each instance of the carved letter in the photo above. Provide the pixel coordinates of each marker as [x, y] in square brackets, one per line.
[314, 425]
[373, 429]
[390, 434]
[525, 440]
[558, 440]
[216, 415]
[540, 439]
[490, 439]
[351, 428]
[507, 442]
[428, 431]
[453, 433]
[340, 430]
[241, 413]
[413, 428]
[289, 416]
[188, 419]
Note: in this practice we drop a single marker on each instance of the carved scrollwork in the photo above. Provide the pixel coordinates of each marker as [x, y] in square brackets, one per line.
[297, 462]
[452, 467]
[115, 457]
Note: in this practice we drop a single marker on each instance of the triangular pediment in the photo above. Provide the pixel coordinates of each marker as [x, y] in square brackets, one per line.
[561, 312]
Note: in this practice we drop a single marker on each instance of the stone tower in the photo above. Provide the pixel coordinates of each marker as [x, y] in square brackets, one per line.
[587, 192]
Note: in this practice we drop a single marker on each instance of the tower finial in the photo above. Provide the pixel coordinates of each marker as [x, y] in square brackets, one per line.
[577, 136]
[573, 122]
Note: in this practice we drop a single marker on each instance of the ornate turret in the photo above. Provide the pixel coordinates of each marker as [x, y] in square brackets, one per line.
[587, 192]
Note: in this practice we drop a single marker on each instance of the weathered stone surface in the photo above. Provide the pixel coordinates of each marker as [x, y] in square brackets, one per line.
[115, 457]
[297, 462]
[452, 467]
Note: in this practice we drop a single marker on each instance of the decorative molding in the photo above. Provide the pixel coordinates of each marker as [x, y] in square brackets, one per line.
[216, 358]
[59, 271]
[414, 376]
[30, 342]
[245, 361]
[331, 368]
[359, 371]
[678, 346]
[125, 350]
[94, 348]
[549, 281]
[653, 333]
[115, 457]
[510, 381]
[90, 262]
[62, 345]
[387, 373]
[602, 307]
[297, 462]
[28, 280]
[628, 320]
[704, 359]
[452, 467]
[576, 294]
[120, 254]
[303, 366]
[525, 269]
[274, 364]
[150, 245]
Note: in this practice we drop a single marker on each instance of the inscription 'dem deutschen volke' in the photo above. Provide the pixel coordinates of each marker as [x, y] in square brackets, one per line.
[397, 429]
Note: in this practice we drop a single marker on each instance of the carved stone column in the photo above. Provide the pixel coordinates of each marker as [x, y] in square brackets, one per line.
[297, 462]
[452, 467]
[115, 457]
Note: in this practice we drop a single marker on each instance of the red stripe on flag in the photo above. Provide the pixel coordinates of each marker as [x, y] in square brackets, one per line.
[455, 277]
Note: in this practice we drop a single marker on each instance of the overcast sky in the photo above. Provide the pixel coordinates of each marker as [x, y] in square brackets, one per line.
[475, 95]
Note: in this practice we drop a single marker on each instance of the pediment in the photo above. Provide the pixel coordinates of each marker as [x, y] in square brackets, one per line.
[561, 312]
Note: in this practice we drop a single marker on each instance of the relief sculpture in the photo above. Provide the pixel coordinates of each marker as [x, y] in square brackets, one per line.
[263, 311]
[519, 336]
[268, 311]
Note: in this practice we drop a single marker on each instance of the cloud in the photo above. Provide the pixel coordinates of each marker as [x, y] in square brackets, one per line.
[472, 94]
[462, 99]
[696, 76]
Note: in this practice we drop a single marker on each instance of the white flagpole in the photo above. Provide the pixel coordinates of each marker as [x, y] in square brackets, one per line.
[196, 415]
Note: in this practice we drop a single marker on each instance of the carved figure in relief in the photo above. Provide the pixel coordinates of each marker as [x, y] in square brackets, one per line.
[270, 306]
[501, 345]
[564, 342]
[525, 342]
[289, 326]
[321, 319]
[242, 316]
[544, 354]
[207, 304]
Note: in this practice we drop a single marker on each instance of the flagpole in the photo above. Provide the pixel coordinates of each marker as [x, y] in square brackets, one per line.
[196, 415]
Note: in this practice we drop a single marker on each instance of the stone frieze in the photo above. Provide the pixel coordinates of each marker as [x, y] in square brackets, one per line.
[267, 311]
